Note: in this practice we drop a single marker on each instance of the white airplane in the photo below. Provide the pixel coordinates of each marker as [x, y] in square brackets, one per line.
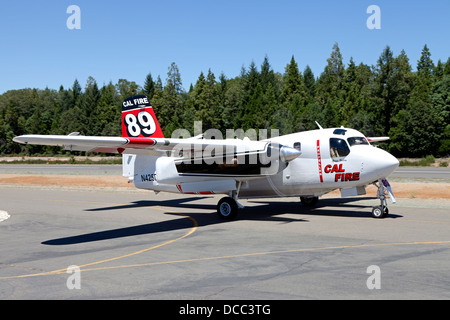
[304, 164]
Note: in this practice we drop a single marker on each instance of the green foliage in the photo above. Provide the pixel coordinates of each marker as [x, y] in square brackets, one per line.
[389, 98]
[422, 162]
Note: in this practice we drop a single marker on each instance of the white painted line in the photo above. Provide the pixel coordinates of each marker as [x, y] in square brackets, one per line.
[4, 215]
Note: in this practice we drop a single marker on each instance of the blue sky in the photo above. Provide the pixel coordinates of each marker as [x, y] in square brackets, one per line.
[129, 39]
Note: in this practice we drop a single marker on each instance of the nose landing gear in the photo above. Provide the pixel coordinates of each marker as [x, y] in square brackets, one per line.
[383, 190]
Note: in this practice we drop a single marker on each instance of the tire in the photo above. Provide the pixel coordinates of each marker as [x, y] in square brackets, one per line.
[309, 201]
[227, 208]
[379, 213]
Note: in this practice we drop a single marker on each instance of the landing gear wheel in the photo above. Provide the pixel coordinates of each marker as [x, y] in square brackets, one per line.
[309, 201]
[227, 208]
[380, 212]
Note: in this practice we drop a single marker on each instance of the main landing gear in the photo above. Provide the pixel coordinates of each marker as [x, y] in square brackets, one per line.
[227, 208]
[383, 189]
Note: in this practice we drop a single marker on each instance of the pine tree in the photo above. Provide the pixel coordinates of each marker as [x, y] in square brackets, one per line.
[233, 104]
[425, 64]
[267, 75]
[269, 108]
[254, 115]
[108, 113]
[205, 101]
[447, 68]
[351, 88]
[171, 107]
[383, 94]
[88, 103]
[149, 86]
[425, 69]
[293, 95]
[438, 71]
[359, 102]
[251, 79]
[329, 88]
[310, 83]
[157, 101]
[76, 93]
[402, 82]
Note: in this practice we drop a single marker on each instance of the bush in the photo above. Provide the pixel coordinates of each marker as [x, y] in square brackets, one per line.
[424, 162]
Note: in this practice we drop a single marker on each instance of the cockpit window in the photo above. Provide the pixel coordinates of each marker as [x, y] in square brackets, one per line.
[357, 141]
[338, 149]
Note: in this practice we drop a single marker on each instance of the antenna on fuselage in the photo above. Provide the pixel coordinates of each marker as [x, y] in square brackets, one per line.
[320, 127]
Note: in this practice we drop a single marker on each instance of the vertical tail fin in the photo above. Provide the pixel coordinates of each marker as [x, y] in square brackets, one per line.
[138, 119]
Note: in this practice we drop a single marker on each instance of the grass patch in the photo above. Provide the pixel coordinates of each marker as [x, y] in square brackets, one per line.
[423, 162]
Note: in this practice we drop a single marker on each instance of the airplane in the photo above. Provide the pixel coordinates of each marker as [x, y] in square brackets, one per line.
[305, 164]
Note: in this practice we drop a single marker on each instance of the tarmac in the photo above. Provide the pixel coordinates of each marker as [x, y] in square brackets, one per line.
[65, 242]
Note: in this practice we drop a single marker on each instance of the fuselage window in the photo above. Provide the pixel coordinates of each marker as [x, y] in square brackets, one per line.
[338, 149]
[354, 141]
[298, 146]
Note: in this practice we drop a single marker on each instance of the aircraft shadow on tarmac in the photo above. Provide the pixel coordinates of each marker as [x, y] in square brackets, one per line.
[263, 211]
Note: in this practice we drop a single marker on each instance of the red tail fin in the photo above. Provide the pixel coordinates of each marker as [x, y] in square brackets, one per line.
[138, 118]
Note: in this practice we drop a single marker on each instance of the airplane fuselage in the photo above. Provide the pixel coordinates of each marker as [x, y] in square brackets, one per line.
[330, 159]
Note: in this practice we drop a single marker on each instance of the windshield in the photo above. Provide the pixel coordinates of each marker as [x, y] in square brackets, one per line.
[357, 141]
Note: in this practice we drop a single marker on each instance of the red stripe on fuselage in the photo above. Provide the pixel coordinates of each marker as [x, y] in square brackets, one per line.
[319, 161]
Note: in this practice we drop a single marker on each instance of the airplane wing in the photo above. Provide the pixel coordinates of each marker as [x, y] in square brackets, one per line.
[153, 146]
[76, 142]
[142, 135]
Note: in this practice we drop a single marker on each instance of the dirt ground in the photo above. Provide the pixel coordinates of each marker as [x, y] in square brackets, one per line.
[401, 189]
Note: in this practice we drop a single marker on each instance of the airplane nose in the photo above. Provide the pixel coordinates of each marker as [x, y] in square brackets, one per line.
[385, 162]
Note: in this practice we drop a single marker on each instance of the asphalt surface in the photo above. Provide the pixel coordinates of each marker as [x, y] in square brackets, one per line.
[138, 245]
[422, 173]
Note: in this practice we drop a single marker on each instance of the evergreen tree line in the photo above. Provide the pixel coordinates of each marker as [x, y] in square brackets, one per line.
[392, 98]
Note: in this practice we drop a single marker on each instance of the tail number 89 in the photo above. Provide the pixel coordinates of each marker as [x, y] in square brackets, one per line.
[142, 124]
